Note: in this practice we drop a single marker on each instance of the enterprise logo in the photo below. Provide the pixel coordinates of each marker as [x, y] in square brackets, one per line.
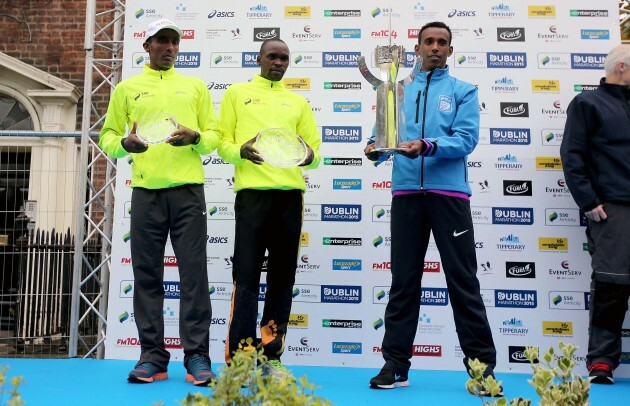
[343, 241]
[342, 13]
[343, 161]
[588, 13]
[342, 85]
[330, 323]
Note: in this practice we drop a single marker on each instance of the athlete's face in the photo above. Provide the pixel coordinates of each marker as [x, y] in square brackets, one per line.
[163, 48]
[273, 60]
[434, 47]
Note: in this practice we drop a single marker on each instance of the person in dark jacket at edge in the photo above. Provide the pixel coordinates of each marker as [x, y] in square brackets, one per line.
[595, 155]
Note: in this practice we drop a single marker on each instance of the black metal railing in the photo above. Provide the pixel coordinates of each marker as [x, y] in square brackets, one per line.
[35, 312]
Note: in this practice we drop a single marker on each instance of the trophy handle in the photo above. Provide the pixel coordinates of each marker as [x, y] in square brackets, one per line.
[365, 71]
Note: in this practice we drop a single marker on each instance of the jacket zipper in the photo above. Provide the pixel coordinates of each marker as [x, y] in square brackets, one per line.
[418, 105]
[424, 116]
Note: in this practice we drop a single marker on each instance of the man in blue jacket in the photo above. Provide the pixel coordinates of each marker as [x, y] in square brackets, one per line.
[594, 151]
[431, 194]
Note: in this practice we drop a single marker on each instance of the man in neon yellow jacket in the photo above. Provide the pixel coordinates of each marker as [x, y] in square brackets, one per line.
[167, 198]
[269, 202]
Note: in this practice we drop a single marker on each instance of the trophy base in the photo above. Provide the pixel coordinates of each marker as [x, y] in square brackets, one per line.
[389, 151]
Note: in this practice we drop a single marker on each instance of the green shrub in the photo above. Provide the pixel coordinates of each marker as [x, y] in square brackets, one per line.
[14, 395]
[227, 388]
[553, 380]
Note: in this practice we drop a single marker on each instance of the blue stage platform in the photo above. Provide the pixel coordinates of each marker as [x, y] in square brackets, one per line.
[91, 382]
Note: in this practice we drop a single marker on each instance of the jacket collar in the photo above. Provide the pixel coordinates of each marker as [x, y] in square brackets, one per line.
[618, 91]
[170, 72]
[422, 75]
[259, 80]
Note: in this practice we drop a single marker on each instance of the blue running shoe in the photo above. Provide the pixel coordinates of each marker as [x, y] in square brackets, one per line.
[199, 370]
[146, 372]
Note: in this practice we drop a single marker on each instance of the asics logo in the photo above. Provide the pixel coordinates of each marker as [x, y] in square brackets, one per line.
[457, 234]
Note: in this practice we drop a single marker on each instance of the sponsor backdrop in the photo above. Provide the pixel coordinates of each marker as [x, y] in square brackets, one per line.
[528, 59]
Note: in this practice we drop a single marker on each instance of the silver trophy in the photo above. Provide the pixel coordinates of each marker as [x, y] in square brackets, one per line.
[390, 97]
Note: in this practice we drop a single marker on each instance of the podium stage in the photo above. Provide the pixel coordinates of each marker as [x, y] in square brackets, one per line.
[91, 382]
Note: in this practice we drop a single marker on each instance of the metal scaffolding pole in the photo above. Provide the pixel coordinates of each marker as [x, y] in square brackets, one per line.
[90, 279]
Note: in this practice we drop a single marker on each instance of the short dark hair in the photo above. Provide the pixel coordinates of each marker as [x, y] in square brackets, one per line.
[436, 24]
[265, 42]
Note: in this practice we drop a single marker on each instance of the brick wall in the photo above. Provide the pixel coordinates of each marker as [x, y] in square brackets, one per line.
[50, 35]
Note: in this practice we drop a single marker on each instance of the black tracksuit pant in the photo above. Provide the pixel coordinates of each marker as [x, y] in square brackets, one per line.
[608, 242]
[265, 220]
[180, 211]
[414, 216]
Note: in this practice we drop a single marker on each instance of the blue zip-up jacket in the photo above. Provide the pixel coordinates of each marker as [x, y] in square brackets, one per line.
[445, 112]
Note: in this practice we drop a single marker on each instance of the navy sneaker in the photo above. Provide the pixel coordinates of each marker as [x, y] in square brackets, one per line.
[601, 373]
[388, 379]
[146, 372]
[199, 371]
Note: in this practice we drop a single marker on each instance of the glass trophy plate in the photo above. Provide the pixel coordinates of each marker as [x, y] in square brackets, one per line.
[156, 128]
[281, 147]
